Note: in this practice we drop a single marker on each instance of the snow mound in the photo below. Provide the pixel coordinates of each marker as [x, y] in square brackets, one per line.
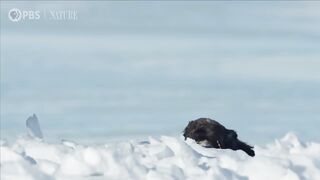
[166, 158]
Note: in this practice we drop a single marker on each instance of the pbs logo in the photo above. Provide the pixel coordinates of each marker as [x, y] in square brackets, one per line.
[15, 15]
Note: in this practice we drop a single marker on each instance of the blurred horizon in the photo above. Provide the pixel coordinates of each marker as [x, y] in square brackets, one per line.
[133, 69]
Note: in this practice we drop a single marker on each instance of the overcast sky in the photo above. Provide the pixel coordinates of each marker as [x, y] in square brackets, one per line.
[139, 68]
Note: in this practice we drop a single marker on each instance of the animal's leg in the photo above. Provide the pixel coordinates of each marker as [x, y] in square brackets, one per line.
[246, 148]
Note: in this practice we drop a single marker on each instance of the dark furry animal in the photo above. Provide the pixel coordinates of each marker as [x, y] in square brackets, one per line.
[215, 135]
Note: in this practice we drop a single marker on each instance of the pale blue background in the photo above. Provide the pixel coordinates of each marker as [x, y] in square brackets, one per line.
[133, 69]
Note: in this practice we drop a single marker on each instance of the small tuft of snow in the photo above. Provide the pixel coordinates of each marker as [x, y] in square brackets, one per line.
[291, 139]
[70, 144]
[33, 127]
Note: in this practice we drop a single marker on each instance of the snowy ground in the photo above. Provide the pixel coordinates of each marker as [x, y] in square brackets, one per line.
[163, 158]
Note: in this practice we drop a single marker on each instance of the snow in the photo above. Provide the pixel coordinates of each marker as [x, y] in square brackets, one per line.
[30, 157]
[164, 158]
[33, 127]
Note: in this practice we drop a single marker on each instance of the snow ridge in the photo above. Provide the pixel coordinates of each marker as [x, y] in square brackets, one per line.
[166, 158]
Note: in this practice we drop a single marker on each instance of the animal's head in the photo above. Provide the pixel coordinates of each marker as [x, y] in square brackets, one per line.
[188, 130]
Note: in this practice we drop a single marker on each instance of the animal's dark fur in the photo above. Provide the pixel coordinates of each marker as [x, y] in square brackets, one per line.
[216, 134]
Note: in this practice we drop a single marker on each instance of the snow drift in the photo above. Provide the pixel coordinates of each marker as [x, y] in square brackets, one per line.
[163, 158]
[166, 158]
